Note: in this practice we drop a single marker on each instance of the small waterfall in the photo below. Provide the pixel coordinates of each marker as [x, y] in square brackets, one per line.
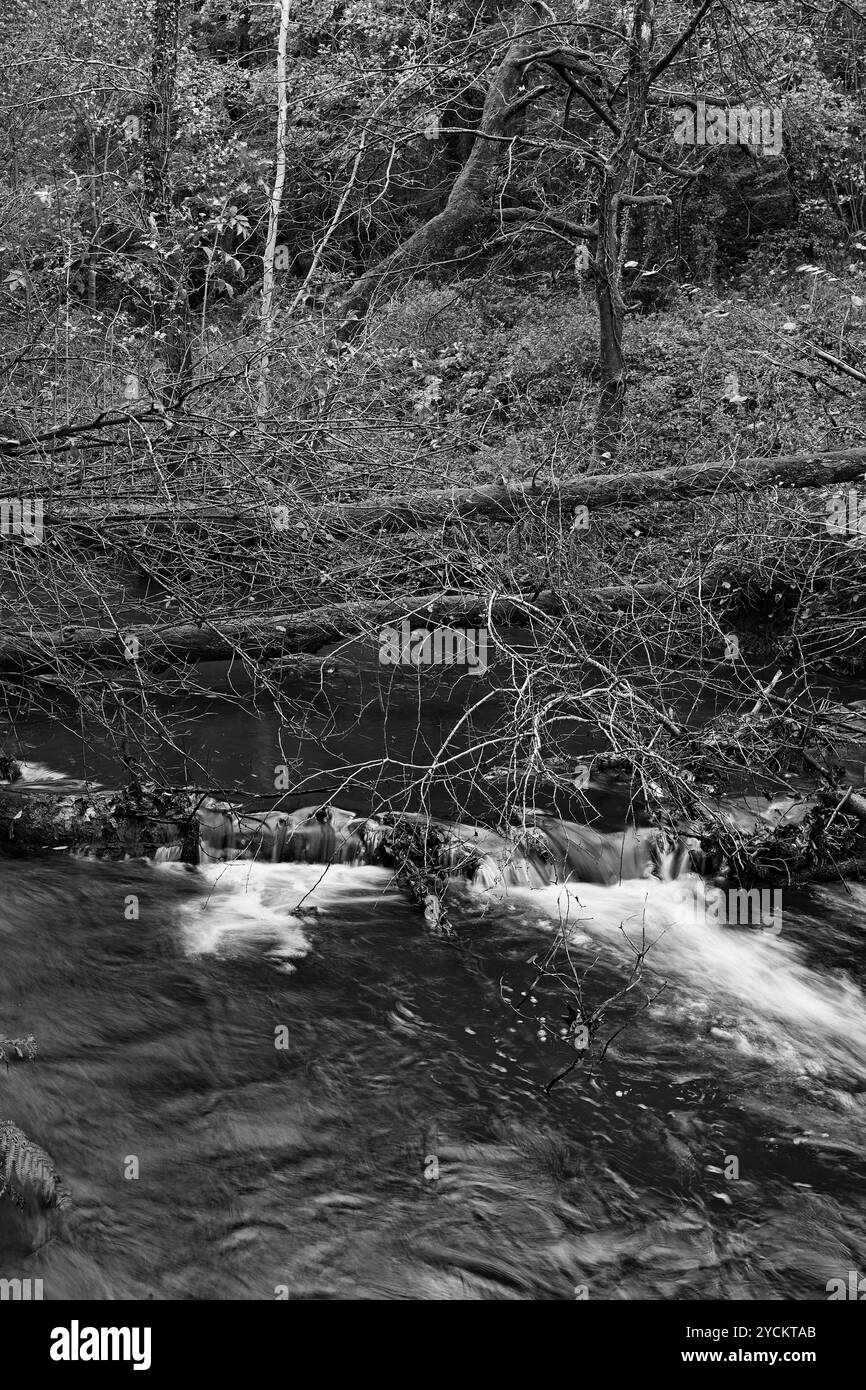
[166, 854]
[592, 856]
[547, 850]
[310, 835]
[605, 889]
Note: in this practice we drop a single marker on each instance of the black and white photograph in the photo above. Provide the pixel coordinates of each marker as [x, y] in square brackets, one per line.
[433, 665]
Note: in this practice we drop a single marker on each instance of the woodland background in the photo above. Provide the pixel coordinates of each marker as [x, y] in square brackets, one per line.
[316, 315]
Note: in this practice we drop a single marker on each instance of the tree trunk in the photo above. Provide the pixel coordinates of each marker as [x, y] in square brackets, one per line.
[195, 828]
[470, 201]
[271, 634]
[611, 313]
[606, 266]
[112, 824]
[171, 309]
[600, 492]
[276, 202]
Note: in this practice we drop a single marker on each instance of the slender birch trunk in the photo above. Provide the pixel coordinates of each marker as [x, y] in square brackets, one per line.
[607, 265]
[267, 313]
[171, 309]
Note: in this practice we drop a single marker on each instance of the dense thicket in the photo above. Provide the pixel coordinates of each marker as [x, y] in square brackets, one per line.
[286, 273]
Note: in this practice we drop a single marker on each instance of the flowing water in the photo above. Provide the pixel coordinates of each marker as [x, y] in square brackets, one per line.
[274, 1082]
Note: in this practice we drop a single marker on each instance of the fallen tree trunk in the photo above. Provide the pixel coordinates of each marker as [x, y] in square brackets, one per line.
[111, 824]
[597, 492]
[423, 854]
[182, 824]
[273, 634]
[846, 797]
[605, 490]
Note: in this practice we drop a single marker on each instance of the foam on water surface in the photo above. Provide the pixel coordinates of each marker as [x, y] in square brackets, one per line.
[245, 905]
[782, 1007]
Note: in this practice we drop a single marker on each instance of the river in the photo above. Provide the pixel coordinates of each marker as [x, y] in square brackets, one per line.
[273, 1082]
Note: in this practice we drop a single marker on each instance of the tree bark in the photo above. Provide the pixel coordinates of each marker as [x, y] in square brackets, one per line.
[195, 828]
[599, 492]
[471, 198]
[271, 634]
[112, 823]
[275, 206]
[606, 264]
[171, 309]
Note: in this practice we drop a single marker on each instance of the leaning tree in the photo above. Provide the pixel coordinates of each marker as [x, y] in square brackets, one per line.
[576, 130]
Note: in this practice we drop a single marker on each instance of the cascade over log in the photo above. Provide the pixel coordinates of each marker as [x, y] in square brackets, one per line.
[190, 826]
